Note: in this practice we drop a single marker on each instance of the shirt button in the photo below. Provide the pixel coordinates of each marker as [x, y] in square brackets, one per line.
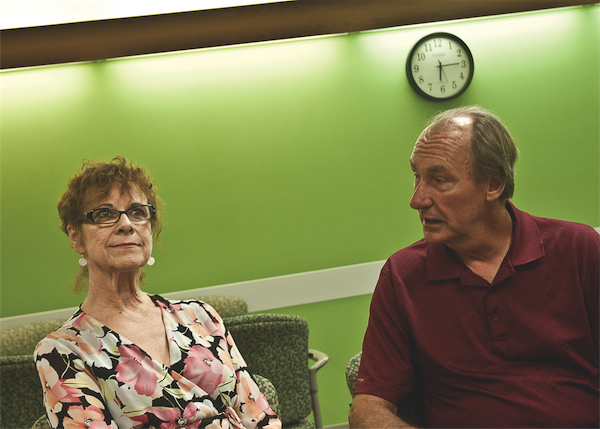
[495, 317]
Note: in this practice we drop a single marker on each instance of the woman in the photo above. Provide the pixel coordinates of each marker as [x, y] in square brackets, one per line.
[127, 359]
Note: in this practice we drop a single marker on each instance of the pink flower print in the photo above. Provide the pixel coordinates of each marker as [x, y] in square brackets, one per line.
[136, 370]
[225, 358]
[198, 326]
[80, 418]
[85, 323]
[56, 390]
[253, 403]
[174, 418]
[203, 369]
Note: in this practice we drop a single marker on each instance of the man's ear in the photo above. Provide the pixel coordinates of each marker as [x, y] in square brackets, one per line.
[495, 188]
[76, 241]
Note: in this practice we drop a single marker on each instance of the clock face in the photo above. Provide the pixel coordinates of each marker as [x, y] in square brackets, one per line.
[440, 66]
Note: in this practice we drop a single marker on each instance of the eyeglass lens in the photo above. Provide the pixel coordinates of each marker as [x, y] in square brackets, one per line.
[108, 215]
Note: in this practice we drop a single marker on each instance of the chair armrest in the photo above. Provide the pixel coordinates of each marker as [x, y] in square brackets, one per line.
[320, 359]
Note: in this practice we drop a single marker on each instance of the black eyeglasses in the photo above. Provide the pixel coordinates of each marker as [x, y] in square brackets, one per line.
[106, 215]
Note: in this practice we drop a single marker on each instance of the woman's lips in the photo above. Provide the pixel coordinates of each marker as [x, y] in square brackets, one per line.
[125, 245]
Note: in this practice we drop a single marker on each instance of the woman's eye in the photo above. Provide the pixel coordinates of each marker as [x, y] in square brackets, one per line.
[103, 213]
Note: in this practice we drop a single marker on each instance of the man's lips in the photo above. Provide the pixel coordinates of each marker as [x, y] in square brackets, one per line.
[430, 221]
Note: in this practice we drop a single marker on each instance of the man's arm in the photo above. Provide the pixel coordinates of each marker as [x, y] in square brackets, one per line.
[370, 411]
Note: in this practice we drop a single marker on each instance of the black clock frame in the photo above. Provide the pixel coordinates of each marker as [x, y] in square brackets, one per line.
[412, 81]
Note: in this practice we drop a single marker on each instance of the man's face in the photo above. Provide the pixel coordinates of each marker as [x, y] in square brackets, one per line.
[451, 205]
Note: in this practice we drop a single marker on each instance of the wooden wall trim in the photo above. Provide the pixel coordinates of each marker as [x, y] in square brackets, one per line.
[114, 38]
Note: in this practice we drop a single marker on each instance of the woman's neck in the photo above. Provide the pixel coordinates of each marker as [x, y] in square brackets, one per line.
[115, 293]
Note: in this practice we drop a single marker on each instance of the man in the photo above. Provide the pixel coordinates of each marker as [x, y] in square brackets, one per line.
[493, 316]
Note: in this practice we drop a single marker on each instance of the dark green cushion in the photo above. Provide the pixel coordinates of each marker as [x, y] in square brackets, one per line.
[23, 339]
[21, 399]
[276, 347]
[226, 306]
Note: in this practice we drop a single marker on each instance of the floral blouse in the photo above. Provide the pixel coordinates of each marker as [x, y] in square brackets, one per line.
[94, 378]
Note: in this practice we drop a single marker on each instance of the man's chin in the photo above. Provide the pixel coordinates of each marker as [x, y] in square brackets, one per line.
[433, 237]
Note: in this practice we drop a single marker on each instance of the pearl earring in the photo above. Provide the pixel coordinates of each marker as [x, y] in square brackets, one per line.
[82, 261]
[151, 261]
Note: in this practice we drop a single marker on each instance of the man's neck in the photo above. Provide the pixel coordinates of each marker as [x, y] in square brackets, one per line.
[485, 254]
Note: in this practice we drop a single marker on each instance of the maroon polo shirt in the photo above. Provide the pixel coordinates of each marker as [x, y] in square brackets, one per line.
[521, 352]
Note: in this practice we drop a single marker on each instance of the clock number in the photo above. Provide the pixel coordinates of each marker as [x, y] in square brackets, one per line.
[439, 66]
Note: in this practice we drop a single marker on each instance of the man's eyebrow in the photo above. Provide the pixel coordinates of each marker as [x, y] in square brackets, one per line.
[437, 168]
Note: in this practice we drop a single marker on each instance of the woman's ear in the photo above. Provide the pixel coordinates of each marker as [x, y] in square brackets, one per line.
[76, 241]
[495, 188]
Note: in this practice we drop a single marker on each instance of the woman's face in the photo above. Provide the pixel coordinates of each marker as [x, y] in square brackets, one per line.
[119, 247]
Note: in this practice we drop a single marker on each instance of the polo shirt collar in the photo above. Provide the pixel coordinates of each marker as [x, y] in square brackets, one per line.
[442, 263]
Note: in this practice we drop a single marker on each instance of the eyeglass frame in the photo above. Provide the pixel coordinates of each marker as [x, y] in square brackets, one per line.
[89, 215]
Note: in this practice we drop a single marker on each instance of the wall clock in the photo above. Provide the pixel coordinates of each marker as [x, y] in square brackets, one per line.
[440, 66]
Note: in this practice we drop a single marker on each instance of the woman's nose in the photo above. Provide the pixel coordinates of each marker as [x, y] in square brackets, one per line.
[124, 223]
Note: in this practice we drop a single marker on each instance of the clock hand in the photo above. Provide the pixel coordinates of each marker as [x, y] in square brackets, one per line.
[440, 67]
[446, 77]
[451, 64]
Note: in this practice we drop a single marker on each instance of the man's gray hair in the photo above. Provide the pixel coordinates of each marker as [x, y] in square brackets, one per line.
[493, 150]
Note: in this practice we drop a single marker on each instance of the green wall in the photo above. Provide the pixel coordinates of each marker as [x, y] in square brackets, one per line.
[287, 157]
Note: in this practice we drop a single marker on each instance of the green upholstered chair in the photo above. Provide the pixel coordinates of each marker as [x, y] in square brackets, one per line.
[410, 409]
[226, 306]
[20, 391]
[23, 339]
[276, 346]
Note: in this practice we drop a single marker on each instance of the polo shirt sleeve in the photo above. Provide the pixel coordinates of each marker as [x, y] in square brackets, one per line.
[386, 369]
[592, 293]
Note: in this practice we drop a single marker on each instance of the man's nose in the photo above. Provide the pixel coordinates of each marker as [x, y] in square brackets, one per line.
[420, 198]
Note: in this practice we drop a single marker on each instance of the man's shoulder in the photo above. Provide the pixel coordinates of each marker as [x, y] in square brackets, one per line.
[565, 231]
[410, 257]
[415, 250]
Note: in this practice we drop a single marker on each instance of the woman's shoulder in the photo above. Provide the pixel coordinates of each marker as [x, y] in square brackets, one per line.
[188, 307]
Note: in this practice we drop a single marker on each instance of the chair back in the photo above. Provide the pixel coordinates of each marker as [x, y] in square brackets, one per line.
[352, 372]
[23, 339]
[226, 306]
[276, 347]
[21, 399]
